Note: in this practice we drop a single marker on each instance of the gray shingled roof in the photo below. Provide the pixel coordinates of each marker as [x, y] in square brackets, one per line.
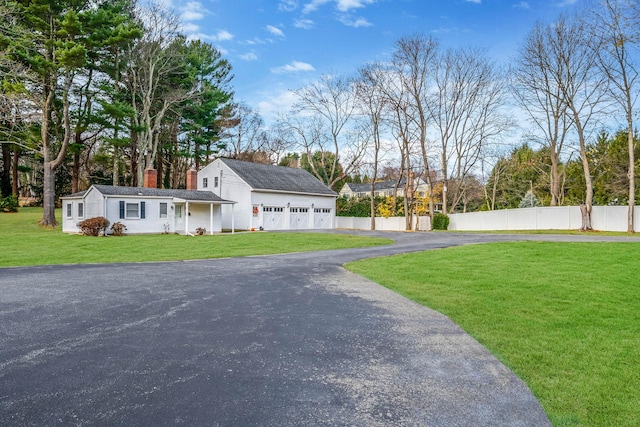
[189, 195]
[381, 185]
[278, 178]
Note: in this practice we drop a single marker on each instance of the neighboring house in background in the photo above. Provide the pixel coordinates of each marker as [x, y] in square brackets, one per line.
[352, 190]
[147, 210]
[269, 197]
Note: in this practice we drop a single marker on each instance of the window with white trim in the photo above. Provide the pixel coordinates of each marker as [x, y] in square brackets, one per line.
[132, 210]
[163, 210]
[205, 182]
[69, 210]
[80, 210]
[215, 182]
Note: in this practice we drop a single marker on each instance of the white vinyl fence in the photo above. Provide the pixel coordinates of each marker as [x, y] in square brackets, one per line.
[383, 224]
[603, 218]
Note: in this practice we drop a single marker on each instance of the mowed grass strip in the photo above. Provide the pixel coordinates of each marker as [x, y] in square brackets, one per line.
[565, 317]
[25, 243]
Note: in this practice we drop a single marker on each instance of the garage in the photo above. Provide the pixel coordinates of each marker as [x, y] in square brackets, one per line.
[273, 217]
[298, 218]
[322, 218]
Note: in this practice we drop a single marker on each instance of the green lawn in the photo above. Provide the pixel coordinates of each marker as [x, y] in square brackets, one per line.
[565, 317]
[23, 242]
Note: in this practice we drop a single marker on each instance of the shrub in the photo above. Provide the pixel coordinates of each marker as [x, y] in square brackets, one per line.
[9, 204]
[440, 221]
[201, 231]
[118, 228]
[94, 226]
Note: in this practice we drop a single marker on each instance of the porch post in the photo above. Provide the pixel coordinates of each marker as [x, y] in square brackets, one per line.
[211, 218]
[186, 218]
[233, 218]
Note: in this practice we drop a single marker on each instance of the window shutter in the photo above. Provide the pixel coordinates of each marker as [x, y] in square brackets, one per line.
[142, 210]
[121, 209]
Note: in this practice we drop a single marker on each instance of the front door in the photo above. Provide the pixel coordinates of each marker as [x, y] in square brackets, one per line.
[179, 218]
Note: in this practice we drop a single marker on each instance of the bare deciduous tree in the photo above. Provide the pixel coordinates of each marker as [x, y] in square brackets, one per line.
[414, 62]
[153, 64]
[536, 90]
[372, 104]
[615, 32]
[323, 121]
[467, 113]
[571, 56]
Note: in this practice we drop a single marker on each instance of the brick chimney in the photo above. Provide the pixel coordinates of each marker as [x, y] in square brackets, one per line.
[192, 179]
[150, 178]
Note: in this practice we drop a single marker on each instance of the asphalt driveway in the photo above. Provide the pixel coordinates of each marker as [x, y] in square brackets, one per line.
[287, 340]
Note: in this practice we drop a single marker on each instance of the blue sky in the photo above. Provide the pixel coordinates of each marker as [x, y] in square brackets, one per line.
[275, 46]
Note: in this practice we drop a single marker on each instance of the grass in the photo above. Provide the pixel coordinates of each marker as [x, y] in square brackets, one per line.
[25, 243]
[565, 317]
[569, 232]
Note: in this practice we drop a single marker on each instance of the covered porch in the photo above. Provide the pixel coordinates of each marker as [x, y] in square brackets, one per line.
[191, 215]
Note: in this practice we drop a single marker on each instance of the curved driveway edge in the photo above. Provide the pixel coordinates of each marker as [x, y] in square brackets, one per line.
[284, 340]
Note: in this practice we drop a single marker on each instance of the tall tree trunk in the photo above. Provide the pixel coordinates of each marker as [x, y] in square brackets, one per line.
[134, 159]
[116, 166]
[555, 179]
[14, 171]
[586, 207]
[5, 191]
[160, 168]
[632, 181]
[75, 172]
[49, 193]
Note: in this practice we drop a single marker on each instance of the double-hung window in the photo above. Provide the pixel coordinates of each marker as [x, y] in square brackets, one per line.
[163, 210]
[80, 210]
[69, 210]
[132, 210]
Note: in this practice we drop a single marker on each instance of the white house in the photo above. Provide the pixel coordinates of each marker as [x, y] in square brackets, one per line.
[269, 197]
[384, 188]
[146, 210]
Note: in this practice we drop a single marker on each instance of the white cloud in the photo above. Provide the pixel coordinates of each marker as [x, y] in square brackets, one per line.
[222, 35]
[347, 5]
[305, 24]
[288, 5]
[522, 5]
[249, 56]
[192, 11]
[276, 104]
[275, 31]
[293, 67]
[356, 23]
[190, 28]
[341, 5]
[314, 5]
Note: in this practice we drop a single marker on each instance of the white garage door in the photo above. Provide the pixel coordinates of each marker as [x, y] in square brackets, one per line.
[273, 218]
[298, 218]
[322, 218]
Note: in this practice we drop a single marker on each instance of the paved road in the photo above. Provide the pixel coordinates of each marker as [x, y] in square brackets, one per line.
[288, 340]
